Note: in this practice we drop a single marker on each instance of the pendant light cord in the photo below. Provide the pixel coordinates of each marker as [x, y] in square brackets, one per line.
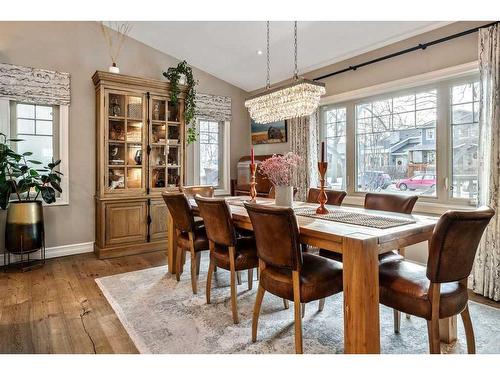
[268, 82]
[296, 69]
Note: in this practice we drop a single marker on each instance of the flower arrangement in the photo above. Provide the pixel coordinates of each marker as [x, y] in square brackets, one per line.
[278, 168]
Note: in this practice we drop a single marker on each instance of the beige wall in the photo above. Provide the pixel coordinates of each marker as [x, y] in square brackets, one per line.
[79, 48]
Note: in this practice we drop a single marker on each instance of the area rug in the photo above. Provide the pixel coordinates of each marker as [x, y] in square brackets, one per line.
[162, 315]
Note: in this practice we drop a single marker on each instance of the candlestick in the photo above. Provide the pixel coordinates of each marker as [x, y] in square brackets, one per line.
[253, 190]
[322, 198]
[322, 152]
[252, 156]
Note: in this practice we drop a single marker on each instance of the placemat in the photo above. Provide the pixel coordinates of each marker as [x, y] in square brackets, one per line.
[356, 218]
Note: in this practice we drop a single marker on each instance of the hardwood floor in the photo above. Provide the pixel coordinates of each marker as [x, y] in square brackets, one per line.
[60, 309]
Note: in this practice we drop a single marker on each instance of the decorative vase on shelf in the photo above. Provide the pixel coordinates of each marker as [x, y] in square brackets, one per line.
[114, 69]
[283, 196]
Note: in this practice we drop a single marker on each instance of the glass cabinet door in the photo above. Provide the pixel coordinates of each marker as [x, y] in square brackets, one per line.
[125, 142]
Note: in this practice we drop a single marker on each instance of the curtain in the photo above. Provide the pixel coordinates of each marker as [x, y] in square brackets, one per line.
[303, 138]
[486, 272]
[213, 107]
[32, 85]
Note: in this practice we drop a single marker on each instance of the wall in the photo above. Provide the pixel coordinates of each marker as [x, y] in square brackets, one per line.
[455, 52]
[80, 49]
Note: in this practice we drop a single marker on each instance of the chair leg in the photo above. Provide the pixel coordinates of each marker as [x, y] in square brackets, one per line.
[238, 277]
[215, 269]
[258, 273]
[234, 306]
[321, 304]
[198, 262]
[397, 320]
[297, 312]
[303, 309]
[433, 332]
[469, 331]
[286, 304]
[211, 269]
[178, 272]
[250, 278]
[194, 276]
[256, 311]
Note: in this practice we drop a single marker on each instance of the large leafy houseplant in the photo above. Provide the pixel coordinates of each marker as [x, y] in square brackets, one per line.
[24, 177]
[173, 74]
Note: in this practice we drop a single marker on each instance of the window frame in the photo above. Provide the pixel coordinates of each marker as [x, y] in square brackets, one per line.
[60, 130]
[442, 80]
[224, 151]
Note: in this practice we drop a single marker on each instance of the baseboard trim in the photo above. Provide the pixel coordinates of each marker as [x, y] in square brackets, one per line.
[62, 251]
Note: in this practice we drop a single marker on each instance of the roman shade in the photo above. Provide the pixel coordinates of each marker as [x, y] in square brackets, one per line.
[213, 107]
[32, 85]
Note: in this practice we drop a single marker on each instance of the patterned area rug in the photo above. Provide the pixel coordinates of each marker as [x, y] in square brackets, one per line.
[162, 315]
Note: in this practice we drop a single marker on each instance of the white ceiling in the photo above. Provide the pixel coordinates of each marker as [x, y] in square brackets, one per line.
[228, 50]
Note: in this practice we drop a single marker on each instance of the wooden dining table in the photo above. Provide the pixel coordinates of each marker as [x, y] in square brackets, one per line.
[360, 247]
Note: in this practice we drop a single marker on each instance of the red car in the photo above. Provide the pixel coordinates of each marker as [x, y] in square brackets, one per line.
[419, 182]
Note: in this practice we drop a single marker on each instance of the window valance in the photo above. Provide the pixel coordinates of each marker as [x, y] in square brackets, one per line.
[213, 107]
[32, 85]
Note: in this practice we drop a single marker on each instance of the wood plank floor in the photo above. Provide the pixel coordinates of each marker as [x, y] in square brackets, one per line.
[60, 309]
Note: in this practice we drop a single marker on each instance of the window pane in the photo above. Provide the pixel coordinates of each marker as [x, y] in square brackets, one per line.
[203, 126]
[40, 146]
[335, 140]
[25, 126]
[44, 127]
[25, 110]
[43, 112]
[210, 158]
[363, 110]
[462, 114]
[393, 157]
[462, 93]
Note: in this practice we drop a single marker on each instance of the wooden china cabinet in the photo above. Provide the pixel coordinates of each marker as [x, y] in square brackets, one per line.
[140, 150]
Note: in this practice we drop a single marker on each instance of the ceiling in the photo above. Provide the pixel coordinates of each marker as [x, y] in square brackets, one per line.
[228, 50]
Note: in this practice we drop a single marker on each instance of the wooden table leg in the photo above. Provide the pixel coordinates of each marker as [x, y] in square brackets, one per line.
[171, 241]
[448, 329]
[361, 295]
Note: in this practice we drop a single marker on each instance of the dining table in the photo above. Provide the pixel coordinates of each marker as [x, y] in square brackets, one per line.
[355, 233]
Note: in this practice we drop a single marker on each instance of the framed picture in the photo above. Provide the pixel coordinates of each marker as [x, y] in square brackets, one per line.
[273, 132]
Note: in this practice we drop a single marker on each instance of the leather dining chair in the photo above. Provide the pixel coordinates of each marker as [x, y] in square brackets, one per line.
[285, 270]
[202, 190]
[333, 197]
[439, 290]
[402, 204]
[191, 234]
[229, 249]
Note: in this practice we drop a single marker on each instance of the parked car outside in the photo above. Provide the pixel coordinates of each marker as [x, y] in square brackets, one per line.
[374, 180]
[418, 182]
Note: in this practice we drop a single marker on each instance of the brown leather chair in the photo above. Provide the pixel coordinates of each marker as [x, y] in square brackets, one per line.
[228, 249]
[439, 290]
[284, 270]
[202, 190]
[191, 235]
[333, 197]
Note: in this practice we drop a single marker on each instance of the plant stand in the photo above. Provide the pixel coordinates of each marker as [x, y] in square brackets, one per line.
[25, 264]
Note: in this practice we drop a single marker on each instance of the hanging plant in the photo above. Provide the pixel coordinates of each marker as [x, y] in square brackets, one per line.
[173, 74]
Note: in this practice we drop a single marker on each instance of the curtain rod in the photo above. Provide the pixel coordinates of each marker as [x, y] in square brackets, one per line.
[421, 46]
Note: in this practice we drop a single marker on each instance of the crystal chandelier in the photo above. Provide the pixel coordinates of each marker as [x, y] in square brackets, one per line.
[297, 99]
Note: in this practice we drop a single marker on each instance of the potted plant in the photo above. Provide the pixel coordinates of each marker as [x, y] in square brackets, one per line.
[24, 184]
[183, 74]
[278, 169]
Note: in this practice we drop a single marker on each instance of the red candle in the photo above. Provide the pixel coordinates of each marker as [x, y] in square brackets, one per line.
[322, 152]
[252, 156]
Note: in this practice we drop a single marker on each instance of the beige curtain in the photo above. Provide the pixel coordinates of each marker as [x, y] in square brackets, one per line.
[486, 272]
[303, 138]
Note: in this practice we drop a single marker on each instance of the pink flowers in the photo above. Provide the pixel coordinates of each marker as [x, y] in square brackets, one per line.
[278, 168]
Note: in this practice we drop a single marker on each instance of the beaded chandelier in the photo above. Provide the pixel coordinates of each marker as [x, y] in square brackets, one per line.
[297, 99]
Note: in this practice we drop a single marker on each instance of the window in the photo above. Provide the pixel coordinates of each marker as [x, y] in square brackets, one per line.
[392, 143]
[465, 138]
[420, 140]
[335, 137]
[44, 131]
[210, 153]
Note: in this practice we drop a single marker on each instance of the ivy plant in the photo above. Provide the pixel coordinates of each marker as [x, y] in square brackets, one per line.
[25, 177]
[173, 74]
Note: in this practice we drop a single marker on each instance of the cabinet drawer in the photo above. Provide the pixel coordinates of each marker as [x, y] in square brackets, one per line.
[126, 222]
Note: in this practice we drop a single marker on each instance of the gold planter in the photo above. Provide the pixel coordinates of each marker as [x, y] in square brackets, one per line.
[24, 231]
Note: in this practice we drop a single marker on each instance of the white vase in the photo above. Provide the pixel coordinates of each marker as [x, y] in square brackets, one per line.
[283, 196]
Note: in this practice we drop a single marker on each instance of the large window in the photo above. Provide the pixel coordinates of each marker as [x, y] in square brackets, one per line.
[416, 141]
[211, 145]
[335, 137]
[396, 146]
